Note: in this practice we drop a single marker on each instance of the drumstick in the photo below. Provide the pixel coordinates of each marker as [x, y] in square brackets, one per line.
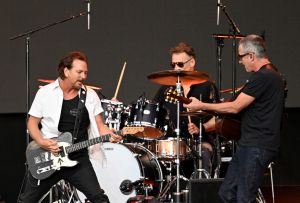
[120, 79]
[189, 117]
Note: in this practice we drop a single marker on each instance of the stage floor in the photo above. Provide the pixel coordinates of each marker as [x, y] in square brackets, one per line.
[283, 194]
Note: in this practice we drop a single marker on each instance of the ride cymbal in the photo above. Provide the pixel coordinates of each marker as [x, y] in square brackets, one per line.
[170, 77]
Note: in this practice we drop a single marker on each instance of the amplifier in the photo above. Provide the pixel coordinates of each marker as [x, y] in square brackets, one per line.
[205, 190]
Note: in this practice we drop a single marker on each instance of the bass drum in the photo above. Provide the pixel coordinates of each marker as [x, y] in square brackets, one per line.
[128, 170]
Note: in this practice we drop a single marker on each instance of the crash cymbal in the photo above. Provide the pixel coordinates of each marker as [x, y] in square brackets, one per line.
[51, 81]
[170, 77]
[46, 81]
[199, 114]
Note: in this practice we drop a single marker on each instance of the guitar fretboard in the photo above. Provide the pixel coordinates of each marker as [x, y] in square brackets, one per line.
[90, 142]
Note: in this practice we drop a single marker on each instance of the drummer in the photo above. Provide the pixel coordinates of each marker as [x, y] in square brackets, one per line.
[183, 58]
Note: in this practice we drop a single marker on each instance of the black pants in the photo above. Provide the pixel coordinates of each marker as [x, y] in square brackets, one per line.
[82, 176]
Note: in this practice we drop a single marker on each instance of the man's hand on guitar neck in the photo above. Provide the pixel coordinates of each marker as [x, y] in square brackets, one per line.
[115, 138]
[194, 105]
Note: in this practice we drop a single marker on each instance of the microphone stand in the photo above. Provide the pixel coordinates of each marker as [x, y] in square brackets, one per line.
[235, 31]
[27, 61]
[27, 66]
[220, 45]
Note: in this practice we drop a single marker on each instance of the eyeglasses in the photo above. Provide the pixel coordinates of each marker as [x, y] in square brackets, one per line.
[179, 64]
[241, 56]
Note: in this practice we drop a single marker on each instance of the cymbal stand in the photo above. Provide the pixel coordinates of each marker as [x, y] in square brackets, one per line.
[177, 160]
[198, 173]
[166, 190]
[218, 154]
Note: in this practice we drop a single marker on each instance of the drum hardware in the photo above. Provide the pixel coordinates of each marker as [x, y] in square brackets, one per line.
[112, 115]
[127, 186]
[198, 173]
[218, 157]
[171, 77]
[166, 194]
[175, 96]
[61, 192]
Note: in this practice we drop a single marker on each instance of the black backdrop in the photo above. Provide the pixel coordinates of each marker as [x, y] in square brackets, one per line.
[141, 33]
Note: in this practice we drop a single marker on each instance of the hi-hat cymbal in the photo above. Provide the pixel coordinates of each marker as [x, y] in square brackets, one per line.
[170, 77]
[199, 114]
[51, 81]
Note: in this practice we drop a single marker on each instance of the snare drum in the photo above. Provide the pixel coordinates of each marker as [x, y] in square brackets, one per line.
[166, 149]
[150, 116]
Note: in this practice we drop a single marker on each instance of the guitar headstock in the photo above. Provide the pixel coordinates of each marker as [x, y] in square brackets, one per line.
[132, 130]
[171, 95]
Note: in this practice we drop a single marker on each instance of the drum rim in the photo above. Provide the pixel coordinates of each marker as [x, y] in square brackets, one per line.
[108, 101]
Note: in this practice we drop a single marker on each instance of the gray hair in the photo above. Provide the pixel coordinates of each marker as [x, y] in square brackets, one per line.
[254, 44]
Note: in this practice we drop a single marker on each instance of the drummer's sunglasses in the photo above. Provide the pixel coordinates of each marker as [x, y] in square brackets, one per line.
[179, 64]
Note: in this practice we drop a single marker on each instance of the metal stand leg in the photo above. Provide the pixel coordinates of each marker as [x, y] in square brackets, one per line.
[218, 157]
[198, 173]
[260, 198]
[272, 183]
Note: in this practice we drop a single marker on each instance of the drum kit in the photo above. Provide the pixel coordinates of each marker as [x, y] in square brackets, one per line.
[151, 165]
[146, 164]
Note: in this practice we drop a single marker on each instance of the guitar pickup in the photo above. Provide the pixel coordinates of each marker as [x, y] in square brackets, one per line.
[43, 157]
[62, 151]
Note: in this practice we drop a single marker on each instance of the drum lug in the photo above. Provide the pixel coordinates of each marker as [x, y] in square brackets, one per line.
[137, 155]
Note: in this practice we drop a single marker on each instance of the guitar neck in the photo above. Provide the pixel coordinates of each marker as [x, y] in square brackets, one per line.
[90, 142]
[186, 100]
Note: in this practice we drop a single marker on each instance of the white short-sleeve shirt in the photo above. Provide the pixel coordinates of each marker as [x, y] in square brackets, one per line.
[47, 105]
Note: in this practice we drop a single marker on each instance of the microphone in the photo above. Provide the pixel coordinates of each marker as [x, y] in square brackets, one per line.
[88, 14]
[218, 12]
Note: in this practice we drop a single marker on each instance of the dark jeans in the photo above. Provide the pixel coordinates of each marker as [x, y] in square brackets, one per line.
[82, 176]
[245, 174]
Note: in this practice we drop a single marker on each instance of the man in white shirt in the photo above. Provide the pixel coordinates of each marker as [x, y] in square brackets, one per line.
[55, 107]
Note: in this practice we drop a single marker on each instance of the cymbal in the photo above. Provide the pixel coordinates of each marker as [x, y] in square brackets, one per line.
[46, 81]
[51, 81]
[170, 77]
[230, 90]
[199, 114]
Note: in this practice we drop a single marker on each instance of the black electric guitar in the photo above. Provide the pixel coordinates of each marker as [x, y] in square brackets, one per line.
[42, 163]
[227, 125]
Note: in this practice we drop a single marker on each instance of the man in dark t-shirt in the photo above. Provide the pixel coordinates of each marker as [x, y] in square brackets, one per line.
[261, 104]
[183, 58]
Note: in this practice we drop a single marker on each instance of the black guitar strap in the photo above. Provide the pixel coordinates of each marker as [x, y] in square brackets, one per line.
[81, 104]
